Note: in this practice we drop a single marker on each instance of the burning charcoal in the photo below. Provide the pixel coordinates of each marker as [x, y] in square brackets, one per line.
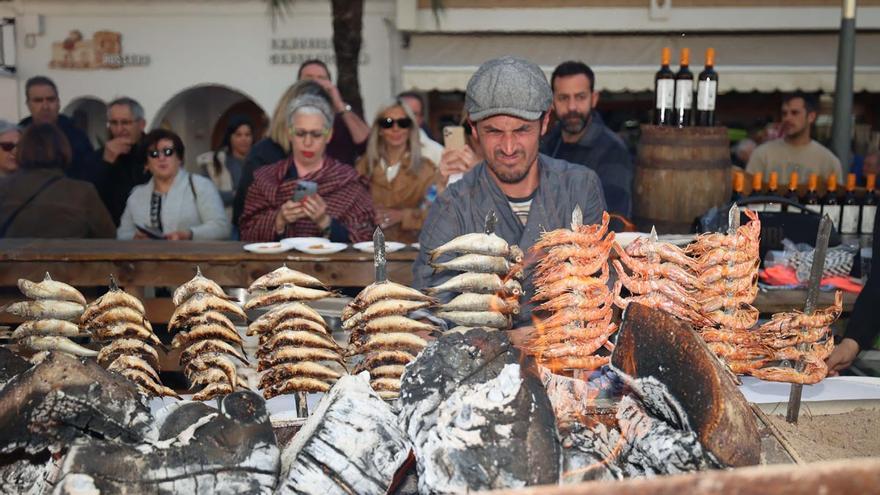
[230, 450]
[11, 365]
[25, 474]
[591, 454]
[63, 398]
[350, 444]
[655, 446]
[478, 416]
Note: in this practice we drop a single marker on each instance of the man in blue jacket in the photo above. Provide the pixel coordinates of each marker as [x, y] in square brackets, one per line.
[507, 101]
[41, 97]
[580, 136]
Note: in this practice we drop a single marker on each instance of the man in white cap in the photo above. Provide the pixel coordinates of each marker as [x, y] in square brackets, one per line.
[508, 100]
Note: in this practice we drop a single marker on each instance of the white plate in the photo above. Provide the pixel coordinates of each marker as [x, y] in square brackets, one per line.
[416, 246]
[296, 242]
[390, 246]
[624, 238]
[323, 247]
[266, 247]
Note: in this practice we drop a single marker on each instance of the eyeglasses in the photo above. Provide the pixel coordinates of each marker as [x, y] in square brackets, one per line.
[8, 147]
[117, 123]
[301, 134]
[165, 151]
[388, 123]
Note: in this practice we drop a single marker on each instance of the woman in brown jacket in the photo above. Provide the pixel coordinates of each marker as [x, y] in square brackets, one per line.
[39, 201]
[399, 177]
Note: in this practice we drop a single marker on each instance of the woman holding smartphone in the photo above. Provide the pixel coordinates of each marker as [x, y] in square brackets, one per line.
[308, 193]
[399, 176]
[174, 204]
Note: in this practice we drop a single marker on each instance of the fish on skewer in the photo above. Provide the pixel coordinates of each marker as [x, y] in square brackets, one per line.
[201, 303]
[384, 290]
[286, 294]
[115, 298]
[285, 276]
[56, 343]
[61, 328]
[283, 312]
[199, 284]
[482, 283]
[480, 243]
[481, 302]
[128, 347]
[49, 289]
[46, 309]
[386, 307]
[126, 329]
[206, 332]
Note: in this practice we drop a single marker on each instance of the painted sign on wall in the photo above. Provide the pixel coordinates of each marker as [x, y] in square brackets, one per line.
[103, 51]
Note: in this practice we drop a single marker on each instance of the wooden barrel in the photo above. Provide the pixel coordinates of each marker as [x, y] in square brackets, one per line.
[680, 174]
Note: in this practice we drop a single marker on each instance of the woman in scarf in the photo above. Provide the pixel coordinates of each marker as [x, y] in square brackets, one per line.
[340, 208]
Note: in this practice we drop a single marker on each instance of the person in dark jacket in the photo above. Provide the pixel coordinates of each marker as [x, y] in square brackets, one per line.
[123, 157]
[580, 136]
[864, 322]
[41, 97]
[39, 201]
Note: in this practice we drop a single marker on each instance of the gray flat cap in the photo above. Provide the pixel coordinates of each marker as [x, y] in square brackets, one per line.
[508, 86]
[6, 126]
[314, 104]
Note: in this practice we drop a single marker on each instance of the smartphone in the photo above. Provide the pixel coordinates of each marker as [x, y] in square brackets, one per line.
[150, 232]
[304, 188]
[453, 137]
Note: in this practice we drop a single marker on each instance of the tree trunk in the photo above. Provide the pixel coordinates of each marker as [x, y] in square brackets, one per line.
[347, 26]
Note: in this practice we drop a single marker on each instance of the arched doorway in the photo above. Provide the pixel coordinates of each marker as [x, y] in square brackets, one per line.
[196, 113]
[89, 114]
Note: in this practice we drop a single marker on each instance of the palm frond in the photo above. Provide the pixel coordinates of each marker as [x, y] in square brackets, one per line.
[279, 9]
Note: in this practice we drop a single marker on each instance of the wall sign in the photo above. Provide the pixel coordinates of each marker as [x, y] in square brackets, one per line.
[295, 51]
[103, 51]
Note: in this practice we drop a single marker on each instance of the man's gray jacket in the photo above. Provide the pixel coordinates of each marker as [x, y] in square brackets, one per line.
[462, 209]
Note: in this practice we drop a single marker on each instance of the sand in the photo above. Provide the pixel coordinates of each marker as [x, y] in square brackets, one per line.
[833, 436]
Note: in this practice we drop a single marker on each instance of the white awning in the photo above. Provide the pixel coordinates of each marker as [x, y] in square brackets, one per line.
[628, 63]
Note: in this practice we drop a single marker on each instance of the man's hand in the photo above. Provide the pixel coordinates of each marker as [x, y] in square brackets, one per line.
[179, 235]
[316, 209]
[333, 91]
[116, 147]
[842, 356]
[386, 217]
[457, 161]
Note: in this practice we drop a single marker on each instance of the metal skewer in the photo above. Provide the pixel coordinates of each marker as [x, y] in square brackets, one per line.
[491, 220]
[816, 269]
[379, 261]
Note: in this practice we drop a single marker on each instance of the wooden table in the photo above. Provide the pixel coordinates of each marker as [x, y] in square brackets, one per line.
[135, 264]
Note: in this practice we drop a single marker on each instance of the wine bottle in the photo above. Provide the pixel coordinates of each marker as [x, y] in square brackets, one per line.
[869, 205]
[811, 197]
[739, 185]
[707, 90]
[792, 193]
[684, 90]
[757, 186]
[830, 202]
[773, 190]
[849, 212]
[664, 91]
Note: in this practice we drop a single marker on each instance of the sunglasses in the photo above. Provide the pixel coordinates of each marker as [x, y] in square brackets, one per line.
[165, 151]
[388, 123]
[301, 134]
[8, 147]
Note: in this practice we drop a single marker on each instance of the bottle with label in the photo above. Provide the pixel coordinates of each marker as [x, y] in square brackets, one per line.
[811, 197]
[684, 90]
[831, 203]
[707, 90]
[757, 186]
[850, 209]
[739, 185]
[792, 193]
[869, 205]
[773, 190]
[664, 91]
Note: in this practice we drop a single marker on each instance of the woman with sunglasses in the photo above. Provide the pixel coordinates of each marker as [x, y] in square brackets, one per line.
[38, 200]
[9, 136]
[399, 176]
[308, 193]
[173, 204]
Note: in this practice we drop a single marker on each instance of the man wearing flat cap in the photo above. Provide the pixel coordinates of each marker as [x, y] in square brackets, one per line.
[507, 101]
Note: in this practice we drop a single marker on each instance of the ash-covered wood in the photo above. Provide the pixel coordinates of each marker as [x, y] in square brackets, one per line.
[350, 444]
[11, 365]
[478, 416]
[26, 474]
[62, 399]
[653, 343]
[194, 449]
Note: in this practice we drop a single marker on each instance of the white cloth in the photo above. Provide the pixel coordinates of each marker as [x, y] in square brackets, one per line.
[391, 171]
[432, 150]
[203, 215]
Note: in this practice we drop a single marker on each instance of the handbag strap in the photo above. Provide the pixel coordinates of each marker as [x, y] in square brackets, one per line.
[8, 222]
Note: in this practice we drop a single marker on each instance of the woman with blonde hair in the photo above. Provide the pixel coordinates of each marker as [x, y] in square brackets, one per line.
[400, 178]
